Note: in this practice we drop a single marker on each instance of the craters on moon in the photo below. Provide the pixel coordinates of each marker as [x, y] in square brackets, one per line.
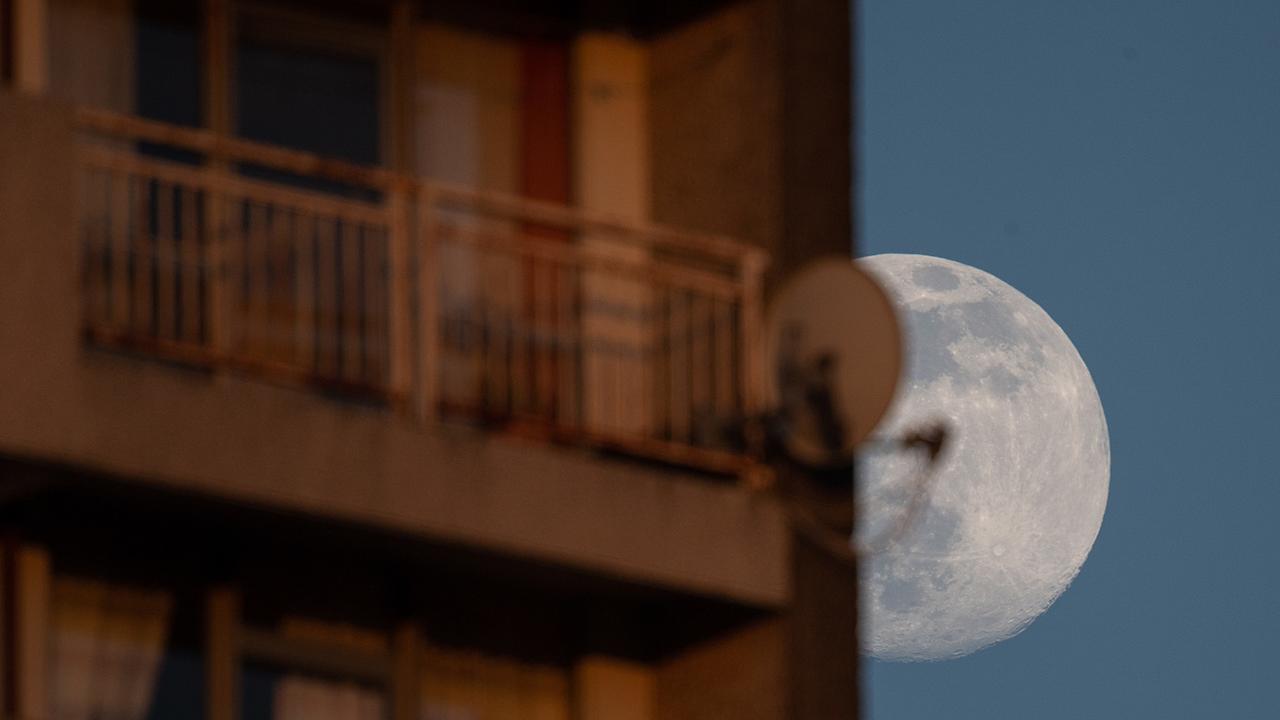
[1020, 493]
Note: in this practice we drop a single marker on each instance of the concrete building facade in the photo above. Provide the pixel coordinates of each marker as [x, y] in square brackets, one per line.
[388, 359]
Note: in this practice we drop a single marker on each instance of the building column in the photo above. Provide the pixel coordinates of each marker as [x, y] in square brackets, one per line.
[606, 688]
[215, 98]
[402, 84]
[30, 51]
[823, 633]
[611, 177]
[215, 95]
[28, 588]
[222, 654]
[406, 672]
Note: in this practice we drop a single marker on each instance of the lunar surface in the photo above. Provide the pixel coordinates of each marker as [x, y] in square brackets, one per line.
[1021, 488]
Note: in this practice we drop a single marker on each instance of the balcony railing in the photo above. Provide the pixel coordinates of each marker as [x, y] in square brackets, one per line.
[442, 301]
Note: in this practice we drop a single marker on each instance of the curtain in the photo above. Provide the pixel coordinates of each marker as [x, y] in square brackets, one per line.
[302, 697]
[108, 641]
[468, 111]
[460, 685]
[92, 58]
[298, 697]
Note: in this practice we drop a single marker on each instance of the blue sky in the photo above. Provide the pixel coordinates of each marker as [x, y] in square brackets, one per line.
[1119, 163]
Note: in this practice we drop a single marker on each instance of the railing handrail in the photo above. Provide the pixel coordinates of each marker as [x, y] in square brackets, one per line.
[236, 149]
[568, 217]
[107, 158]
[667, 273]
[299, 162]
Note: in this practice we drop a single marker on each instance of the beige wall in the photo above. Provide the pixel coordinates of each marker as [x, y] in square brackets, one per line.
[253, 442]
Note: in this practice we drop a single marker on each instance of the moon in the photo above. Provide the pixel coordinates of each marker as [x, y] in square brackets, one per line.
[1018, 498]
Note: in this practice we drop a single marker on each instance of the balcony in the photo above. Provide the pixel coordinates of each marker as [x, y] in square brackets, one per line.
[441, 302]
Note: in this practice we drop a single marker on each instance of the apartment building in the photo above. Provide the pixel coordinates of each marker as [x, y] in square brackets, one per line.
[388, 358]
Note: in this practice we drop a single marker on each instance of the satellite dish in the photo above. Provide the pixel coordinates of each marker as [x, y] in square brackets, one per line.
[833, 349]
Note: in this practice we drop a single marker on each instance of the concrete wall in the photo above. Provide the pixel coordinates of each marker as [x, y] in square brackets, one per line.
[752, 136]
[817, 130]
[801, 664]
[742, 676]
[752, 127]
[250, 441]
[715, 119]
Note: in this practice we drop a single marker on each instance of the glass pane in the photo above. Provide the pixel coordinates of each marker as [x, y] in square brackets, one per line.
[121, 651]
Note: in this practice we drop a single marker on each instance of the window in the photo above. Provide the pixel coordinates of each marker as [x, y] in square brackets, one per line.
[121, 651]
